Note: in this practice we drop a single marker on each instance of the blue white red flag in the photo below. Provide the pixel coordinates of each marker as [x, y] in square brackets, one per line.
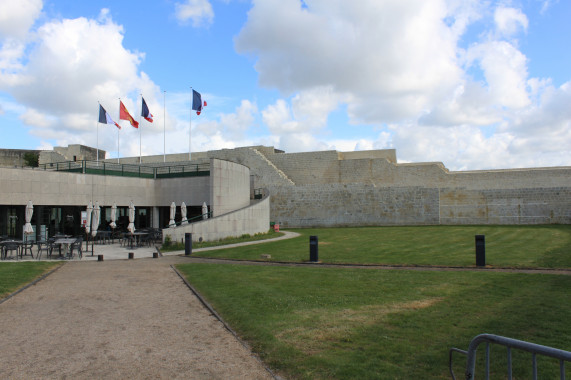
[197, 103]
[145, 112]
[104, 117]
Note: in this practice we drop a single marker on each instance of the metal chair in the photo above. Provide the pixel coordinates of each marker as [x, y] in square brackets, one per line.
[45, 246]
[27, 247]
[11, 247]
[76, 247]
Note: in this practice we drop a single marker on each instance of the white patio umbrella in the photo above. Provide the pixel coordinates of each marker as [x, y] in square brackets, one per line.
[204, 211]
[28, 230]
[88, 214]
[96, 219]
[173, 213]
[183, 213]
[131, 226]
[113, 216]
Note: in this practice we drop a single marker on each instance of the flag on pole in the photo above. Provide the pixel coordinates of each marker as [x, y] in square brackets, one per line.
[145, 112]
[125, 115]
[104, 117]
[197, 102]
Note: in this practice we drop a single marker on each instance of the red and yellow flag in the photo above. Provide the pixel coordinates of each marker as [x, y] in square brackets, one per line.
[125, 115]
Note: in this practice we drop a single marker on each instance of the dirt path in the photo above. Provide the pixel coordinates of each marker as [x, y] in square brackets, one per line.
[120, 319]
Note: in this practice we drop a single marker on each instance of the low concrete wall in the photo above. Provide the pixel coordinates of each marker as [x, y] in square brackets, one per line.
[250, 220]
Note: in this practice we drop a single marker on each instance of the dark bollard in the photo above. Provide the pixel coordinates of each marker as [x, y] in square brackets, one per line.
[313, 254]
[480, 250]
[99, 257]
[187, 243]
[131, 255]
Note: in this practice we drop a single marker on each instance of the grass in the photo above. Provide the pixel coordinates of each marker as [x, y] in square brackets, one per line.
[547, 246]
[321, 323]
[170, 246]
[15, 275]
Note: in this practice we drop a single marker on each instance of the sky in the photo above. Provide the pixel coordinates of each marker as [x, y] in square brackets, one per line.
[472, 84]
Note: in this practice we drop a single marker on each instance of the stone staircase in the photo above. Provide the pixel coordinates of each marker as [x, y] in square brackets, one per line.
[272, 167]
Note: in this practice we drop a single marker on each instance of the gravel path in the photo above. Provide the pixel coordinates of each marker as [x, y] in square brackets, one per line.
[119, 319]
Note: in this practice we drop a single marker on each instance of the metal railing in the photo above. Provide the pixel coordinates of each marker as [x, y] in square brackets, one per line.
[509, 343]
[194, 219]
[129, 170]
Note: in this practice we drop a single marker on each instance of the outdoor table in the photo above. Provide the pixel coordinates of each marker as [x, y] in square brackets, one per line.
[64, 241]
[137, 236]
[103, 236]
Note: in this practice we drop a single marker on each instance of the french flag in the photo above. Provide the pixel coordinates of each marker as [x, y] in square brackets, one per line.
[197, 103]
[104, 117]
[145, 112]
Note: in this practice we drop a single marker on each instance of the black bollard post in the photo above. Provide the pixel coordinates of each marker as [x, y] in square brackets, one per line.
[313, 251]
[480, 250]
[187, 243]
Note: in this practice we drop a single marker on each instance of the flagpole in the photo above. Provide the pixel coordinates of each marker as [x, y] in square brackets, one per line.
[140, 132]
[164, 126]
[118, 130]
[190, 124]
[97, 159]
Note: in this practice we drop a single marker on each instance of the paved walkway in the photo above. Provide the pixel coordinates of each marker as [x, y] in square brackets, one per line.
[120, 319]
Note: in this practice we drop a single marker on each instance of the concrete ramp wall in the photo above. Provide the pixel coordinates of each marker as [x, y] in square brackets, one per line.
[250, 220]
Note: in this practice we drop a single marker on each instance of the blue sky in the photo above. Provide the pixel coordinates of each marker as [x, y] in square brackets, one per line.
[472, 84]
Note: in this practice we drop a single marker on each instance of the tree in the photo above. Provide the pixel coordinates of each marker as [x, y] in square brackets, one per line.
[31, 159]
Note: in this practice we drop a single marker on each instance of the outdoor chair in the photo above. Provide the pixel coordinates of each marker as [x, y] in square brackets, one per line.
[27, 247]
[145, 240]
[127, 240]
[116, 235]
[76, 247]
[11, 247]
[45, 246]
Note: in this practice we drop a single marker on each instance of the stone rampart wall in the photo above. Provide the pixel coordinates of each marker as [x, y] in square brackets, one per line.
[360, 205]
[308, 168]
[333, 205]
[14, 157]
[506, 206]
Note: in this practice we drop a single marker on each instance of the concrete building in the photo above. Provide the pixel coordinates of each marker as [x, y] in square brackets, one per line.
[60, 192]
[312, 189]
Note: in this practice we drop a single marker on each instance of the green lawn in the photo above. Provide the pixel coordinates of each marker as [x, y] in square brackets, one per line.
[546, 246]
[15, 275]
[322, 323]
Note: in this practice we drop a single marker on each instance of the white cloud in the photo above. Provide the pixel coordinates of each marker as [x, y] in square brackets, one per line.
[505, 70]
[546, 4]
[398, 55]
[17, 17]
[232, 126]
[33, 117]
[308, 112]
[400, 62]
[199, 12]
[510, 20]
[67, 60]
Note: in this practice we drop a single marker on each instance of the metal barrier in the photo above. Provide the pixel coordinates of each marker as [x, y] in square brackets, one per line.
[509, 343]
[129, 170]
[258, 193]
